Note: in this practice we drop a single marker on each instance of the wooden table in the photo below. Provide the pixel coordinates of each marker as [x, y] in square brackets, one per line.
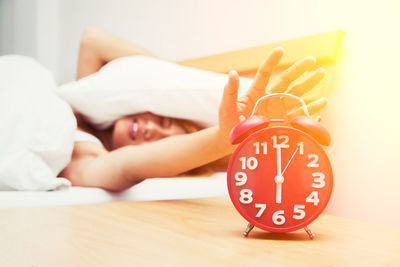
[199, 232]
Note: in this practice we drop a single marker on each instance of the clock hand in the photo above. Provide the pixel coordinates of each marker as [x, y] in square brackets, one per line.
[290, 160]
[278, 178]
[278, 193]
[278, 161]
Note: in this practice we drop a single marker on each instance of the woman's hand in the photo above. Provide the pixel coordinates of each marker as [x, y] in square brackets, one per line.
[232, 109]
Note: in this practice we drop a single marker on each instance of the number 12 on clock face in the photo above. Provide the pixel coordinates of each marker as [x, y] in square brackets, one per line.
[279, 179]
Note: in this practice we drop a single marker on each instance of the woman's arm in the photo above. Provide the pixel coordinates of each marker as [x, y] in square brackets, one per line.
[97, 47]
[126, 166]
[129, 165]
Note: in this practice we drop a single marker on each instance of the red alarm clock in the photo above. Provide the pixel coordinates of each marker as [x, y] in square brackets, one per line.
[279, 177]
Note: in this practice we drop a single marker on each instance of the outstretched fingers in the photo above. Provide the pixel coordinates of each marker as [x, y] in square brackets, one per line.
[313, 107]
[303, 87]
[260, 82]
[229, 97]
[309, 83]
[292, 73]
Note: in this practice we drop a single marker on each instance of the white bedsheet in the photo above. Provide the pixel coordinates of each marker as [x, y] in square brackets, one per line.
[150, 189]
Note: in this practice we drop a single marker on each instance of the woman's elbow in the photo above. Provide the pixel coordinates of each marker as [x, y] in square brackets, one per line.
[122, 185]
[90, 35]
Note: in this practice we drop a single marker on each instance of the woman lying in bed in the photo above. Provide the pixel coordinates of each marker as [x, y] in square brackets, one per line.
[145, 145]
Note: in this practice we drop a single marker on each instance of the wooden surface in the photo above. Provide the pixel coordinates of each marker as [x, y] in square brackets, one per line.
[202, 232]
[325, 47]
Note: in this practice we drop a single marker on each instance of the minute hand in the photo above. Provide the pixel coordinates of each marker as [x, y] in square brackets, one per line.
[290, 160]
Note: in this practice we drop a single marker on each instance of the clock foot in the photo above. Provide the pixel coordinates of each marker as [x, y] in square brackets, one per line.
[248, 229]
[309, 232]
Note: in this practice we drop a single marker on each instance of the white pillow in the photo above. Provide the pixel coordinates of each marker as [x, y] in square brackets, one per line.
[138, 84]
[37, 127]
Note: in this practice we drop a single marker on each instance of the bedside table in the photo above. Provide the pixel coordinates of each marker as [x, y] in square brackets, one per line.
[200, 232]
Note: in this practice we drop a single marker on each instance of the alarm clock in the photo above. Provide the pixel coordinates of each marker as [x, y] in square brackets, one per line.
[279, 177]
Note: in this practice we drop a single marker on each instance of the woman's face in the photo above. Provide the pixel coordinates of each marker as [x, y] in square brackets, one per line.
[144, 128]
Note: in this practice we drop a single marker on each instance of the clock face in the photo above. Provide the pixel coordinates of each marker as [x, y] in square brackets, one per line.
[279, 179]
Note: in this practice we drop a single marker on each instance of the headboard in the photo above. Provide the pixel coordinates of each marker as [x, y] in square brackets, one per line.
[325, 47]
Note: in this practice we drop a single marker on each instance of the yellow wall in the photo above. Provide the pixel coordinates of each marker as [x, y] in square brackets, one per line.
[363, 114]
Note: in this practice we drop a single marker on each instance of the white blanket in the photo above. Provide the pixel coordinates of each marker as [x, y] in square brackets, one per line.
[37, 127]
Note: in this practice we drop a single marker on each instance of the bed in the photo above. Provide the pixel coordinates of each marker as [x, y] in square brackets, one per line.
[325, 47]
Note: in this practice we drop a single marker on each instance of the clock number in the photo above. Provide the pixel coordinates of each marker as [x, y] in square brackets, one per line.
[319, 181]
[284, 143]
[246, 196]
[278, 217]
[251, 163]
[263, 145]
[299, 209]
[241, 178]
[313, 198]
[262, 208]
[314, 163]
[301, 147]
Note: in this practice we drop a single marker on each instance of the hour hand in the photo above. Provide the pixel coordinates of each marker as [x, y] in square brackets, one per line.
[278, 178]
[278, 181]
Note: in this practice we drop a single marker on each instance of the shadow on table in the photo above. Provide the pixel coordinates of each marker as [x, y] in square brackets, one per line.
[294, 236]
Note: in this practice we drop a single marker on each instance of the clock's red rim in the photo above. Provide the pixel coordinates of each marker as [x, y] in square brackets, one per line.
[250, 219]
